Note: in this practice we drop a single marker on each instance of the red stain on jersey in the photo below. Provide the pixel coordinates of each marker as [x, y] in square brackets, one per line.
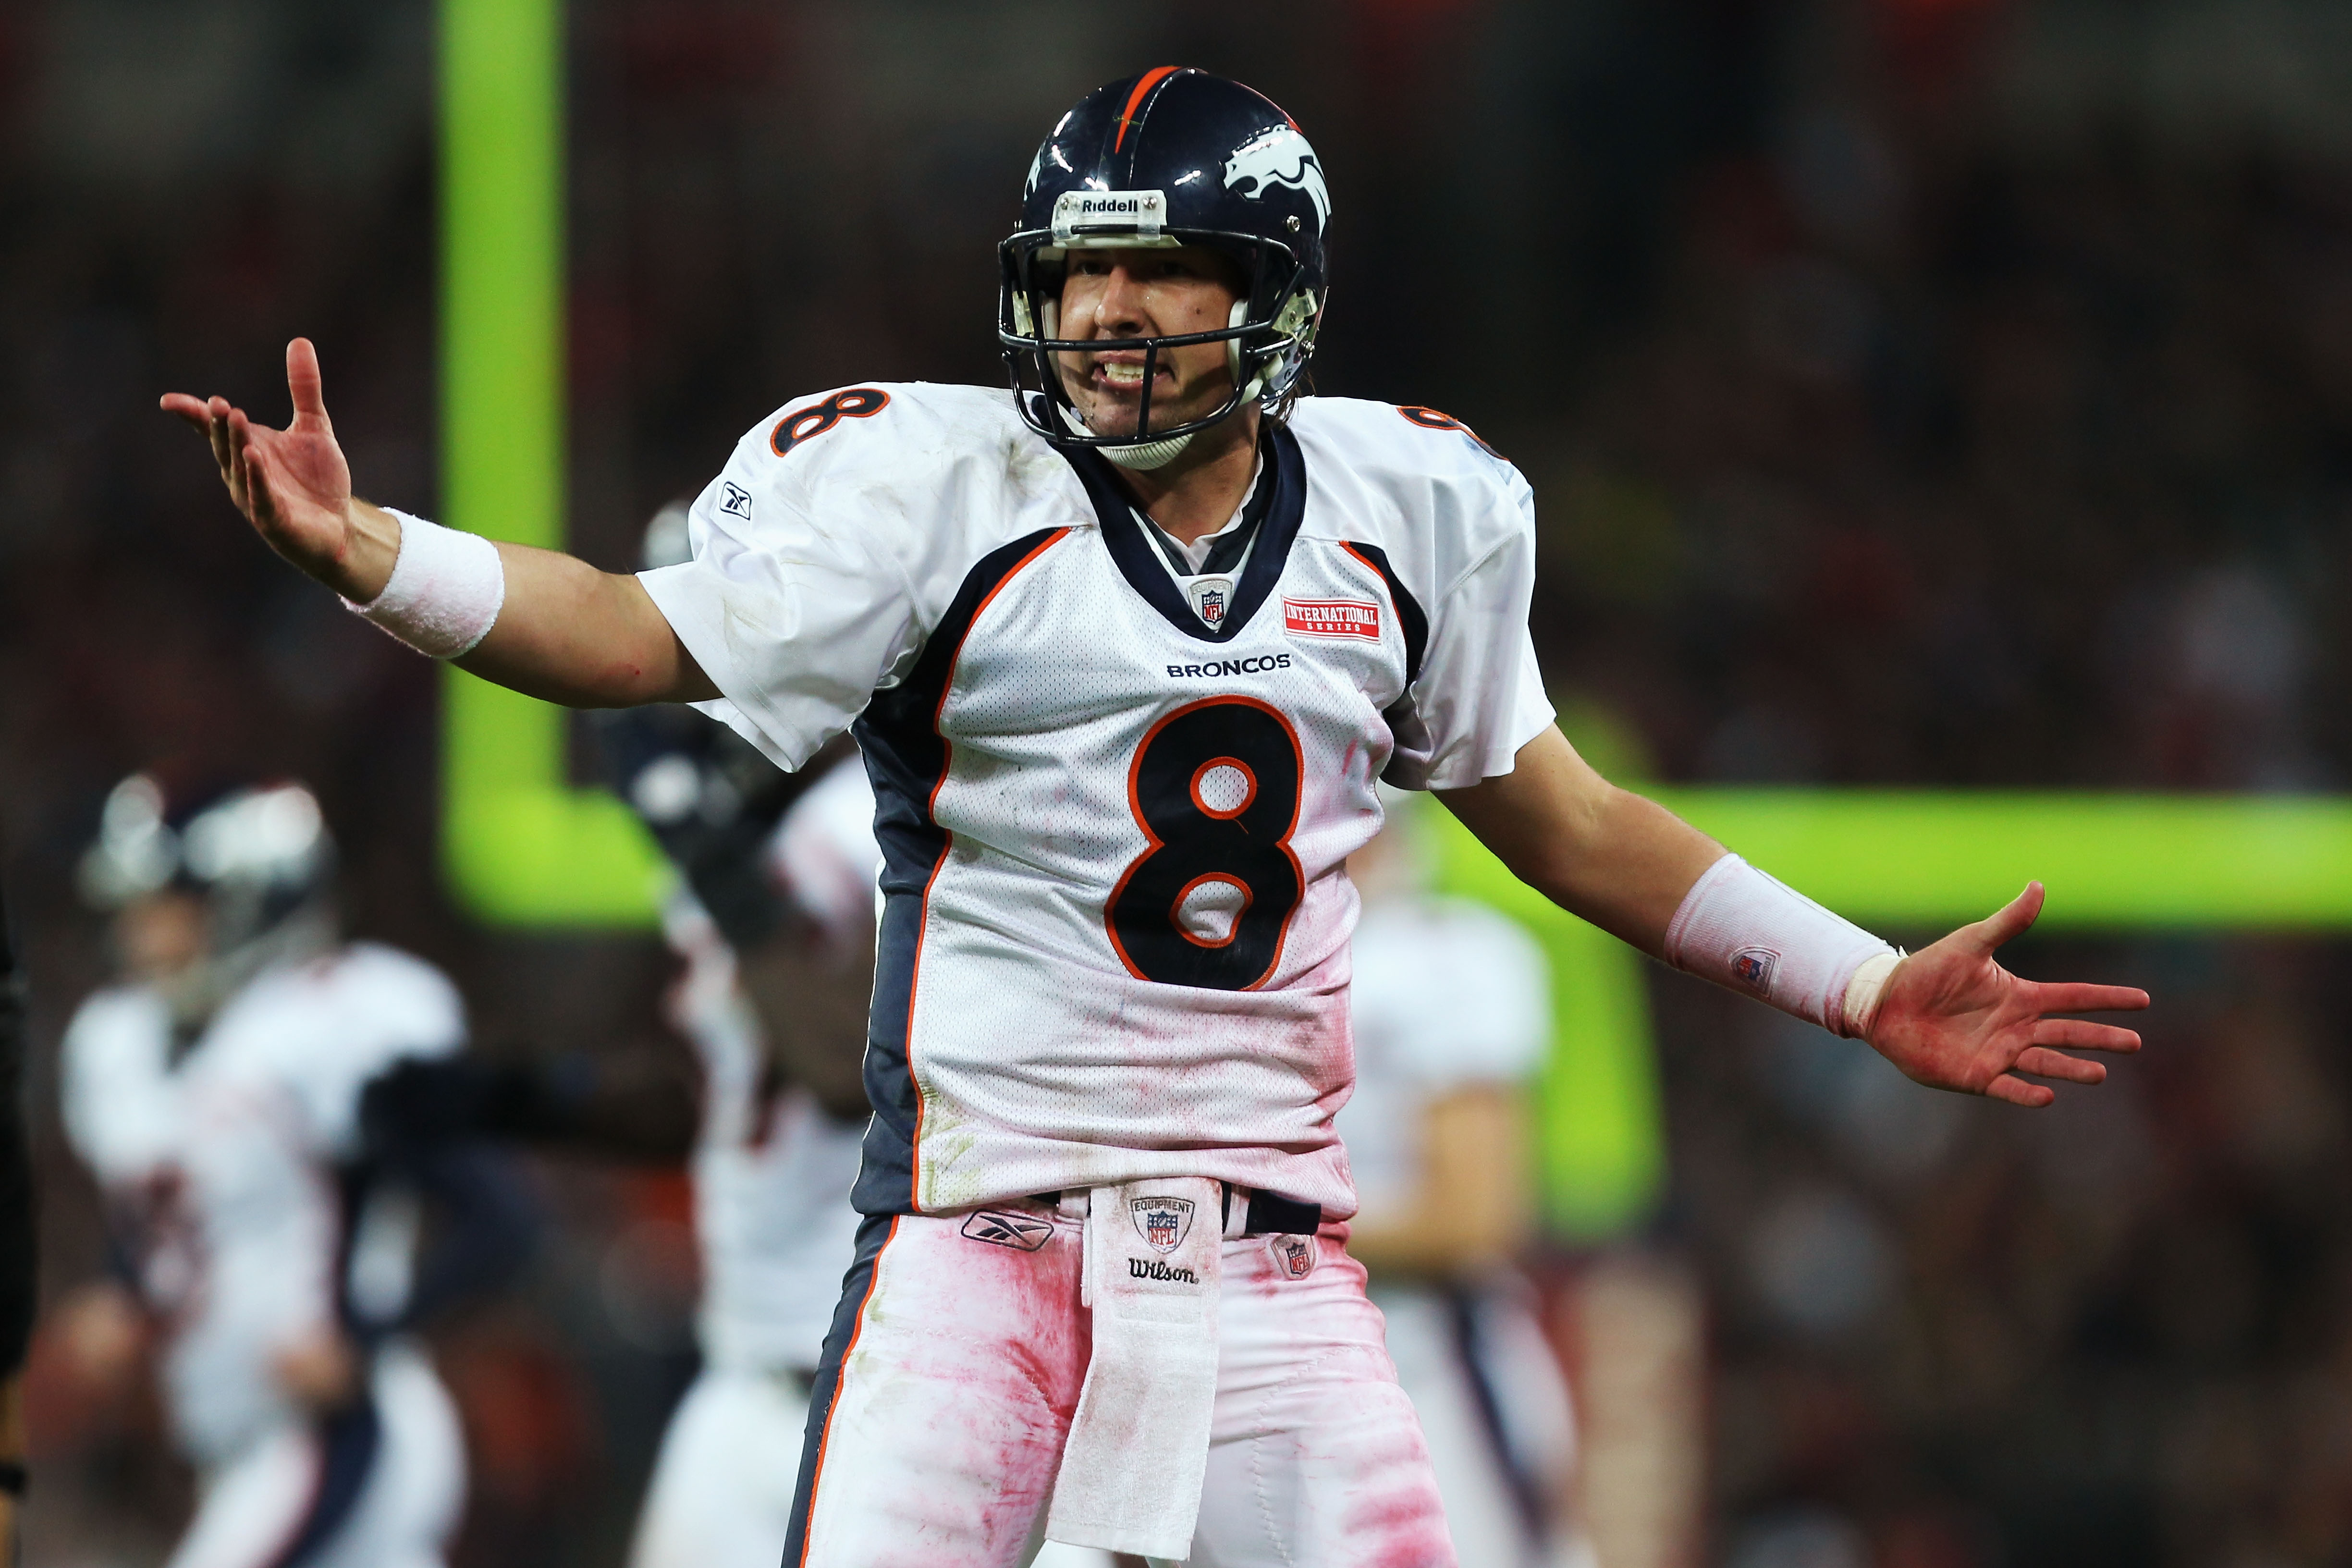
[1331, 618]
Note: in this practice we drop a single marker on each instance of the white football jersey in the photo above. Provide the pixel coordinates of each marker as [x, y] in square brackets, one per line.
[1114, 801]
[771, 1181]
[1448, 994]
[225, 1155]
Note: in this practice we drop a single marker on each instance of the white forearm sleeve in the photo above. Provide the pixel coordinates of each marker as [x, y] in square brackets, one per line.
[1740, 928]
[445, 590]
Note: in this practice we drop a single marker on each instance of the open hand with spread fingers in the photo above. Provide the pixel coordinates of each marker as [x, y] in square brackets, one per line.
[1952, 1017]
[294, 486]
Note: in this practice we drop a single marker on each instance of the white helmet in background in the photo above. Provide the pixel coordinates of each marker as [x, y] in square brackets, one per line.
[257, 856]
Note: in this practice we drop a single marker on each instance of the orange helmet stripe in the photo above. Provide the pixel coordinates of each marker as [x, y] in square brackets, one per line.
[1143, 84]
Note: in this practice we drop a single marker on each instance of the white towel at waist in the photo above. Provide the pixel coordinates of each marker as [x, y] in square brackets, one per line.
[1139, 1448]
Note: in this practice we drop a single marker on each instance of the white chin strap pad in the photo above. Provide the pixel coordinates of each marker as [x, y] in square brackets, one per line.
[1142, 455]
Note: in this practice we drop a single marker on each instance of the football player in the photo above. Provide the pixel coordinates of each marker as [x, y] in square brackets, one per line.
[1452, 1014]
[215, 1095]
[1127, 648]
[776, 927]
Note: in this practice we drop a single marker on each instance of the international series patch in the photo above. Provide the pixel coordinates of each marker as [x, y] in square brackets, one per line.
[1163, 1223]
[1331, 618]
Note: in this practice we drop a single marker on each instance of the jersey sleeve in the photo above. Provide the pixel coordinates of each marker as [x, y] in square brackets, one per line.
[800, 600]
[1480, 694]
[109, 1069]
[374, 1007]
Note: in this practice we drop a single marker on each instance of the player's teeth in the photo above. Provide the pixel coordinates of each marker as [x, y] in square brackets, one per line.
[1131, 374]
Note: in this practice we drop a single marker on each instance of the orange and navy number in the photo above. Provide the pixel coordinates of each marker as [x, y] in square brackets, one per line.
[806, 424]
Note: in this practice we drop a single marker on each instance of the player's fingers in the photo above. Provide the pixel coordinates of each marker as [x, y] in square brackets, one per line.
[181, 405]
[2082, 1035]
[303, 382]
[2016, 1091]
[217, 412]
[2012, 919]
[2075, 998]
[2043, 1063]
[235, 466]
[261, 506]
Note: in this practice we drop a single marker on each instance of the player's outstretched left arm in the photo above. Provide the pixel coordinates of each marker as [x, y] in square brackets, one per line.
[550, 625]
[1948, 1015]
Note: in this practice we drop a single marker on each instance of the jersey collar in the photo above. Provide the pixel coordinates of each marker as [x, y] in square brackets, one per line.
[1270, 520]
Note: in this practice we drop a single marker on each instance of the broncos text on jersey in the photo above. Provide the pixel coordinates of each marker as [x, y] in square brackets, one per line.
[1115, 937]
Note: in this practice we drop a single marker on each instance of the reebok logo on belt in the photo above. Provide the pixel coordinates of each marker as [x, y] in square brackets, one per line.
[1019, 1232]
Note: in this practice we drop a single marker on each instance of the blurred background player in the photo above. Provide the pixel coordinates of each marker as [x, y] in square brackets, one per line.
[1452, 1014]
[270, 1244]
[774, 919]
[776, 1152]
[16, 1240]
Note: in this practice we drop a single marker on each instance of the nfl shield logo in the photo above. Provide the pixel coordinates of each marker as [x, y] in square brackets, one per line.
[1753, 966]
[1294, 1255]
[1161, 1222]
[1210, 597]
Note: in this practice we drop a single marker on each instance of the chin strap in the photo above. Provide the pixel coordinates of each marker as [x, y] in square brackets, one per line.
[1140, 455]
[1145, 455]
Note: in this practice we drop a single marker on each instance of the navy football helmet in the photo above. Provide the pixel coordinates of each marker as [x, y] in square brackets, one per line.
[1169, 157]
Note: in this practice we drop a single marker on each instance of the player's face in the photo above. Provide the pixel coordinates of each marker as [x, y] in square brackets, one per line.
[160, 937]
[1112, 295]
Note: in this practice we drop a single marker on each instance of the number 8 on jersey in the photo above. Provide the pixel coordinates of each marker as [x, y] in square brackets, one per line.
[1215, 787]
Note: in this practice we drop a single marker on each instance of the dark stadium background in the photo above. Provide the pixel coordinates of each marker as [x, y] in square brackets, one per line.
[1916, 391]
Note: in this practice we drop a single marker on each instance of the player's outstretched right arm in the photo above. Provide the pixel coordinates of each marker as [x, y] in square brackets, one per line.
[564, 630]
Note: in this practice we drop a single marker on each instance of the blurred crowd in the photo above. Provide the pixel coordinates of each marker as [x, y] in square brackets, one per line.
[1916, 392]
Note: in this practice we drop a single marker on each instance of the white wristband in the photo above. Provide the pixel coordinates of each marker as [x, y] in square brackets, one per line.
[1740, 928]
[445, 590]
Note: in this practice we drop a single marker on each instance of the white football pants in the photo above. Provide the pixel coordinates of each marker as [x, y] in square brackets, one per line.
[306, 1497]
[941, 1428]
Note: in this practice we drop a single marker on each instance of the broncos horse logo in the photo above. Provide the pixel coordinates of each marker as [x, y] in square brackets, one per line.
[1280, 157]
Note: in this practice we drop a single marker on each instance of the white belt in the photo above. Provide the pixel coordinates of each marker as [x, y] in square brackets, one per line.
[1138, 1451]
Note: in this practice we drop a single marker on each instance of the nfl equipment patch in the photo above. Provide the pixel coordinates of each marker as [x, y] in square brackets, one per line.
[1753, 967]
[1020, 1232]
[1163, 1223]
[1294, 1255]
